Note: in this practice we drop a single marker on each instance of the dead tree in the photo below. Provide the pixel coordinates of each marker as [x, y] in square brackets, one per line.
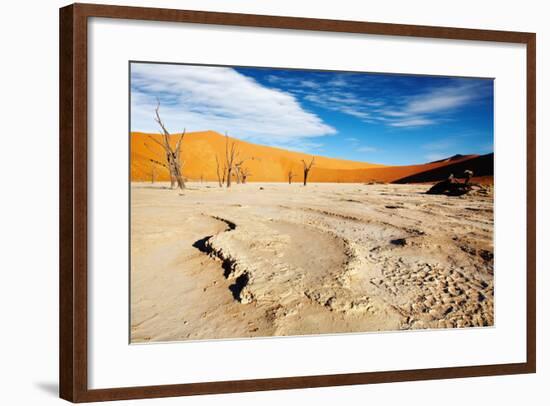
[307, 168]
[239, 171]
[220, 175]
[231, 155]
[174, 164]
[290, 176]
[245, 173]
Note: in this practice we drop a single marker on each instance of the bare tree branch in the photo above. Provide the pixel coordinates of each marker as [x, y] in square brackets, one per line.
[218, 174]
[178, 144]
[231, 155]
[159, 163]
[245, 173]
[156, 141]
[290, 176]
[158, 119]
[173, 156]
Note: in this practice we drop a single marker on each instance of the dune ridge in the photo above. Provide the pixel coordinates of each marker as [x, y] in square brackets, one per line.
[271, 164]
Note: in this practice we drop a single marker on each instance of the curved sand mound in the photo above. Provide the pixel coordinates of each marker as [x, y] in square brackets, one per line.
[277, 261]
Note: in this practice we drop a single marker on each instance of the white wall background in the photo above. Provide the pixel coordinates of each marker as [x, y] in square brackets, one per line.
[29, 193]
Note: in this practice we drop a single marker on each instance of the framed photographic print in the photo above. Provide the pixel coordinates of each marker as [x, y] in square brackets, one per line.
[334, 202]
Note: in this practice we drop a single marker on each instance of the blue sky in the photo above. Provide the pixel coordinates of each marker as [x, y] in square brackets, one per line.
[379, 118]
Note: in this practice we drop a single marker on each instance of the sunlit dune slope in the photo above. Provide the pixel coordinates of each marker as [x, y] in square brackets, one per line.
[265, 164]
[200, 149]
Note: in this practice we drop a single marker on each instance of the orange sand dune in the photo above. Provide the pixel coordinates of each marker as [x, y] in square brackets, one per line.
[199, 151]
[266, 164]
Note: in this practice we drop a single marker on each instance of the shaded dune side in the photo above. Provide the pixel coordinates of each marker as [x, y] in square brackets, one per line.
[482, 166]
[386, 174]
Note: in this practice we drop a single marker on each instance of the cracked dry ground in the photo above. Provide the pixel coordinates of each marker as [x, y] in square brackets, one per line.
[278, 259]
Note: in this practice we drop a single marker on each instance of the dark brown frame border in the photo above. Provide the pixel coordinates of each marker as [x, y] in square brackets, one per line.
[73, 361]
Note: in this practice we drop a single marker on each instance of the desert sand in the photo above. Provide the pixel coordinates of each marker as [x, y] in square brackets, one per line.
[269, 164]
[273, 259]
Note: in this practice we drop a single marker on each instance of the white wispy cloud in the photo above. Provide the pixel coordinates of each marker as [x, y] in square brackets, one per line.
[338, 81]
[311, 84]
[336, 94]
[343, 102]
[220, 99]
[411, 122]
[429, 107]
[371, 102]
[366, 148]
[283, 111]
[441, 99]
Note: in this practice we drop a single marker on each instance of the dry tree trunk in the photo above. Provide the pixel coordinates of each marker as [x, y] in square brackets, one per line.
[245, 173]
[238, 174]
[172, 181]
[307, 168]
[228, 177]
[218, 174]
[239, 171]
[231, 154]
[173, 155]
[290, 176]
[178, 164]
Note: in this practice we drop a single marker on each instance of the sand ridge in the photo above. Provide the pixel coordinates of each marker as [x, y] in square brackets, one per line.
[270, 164]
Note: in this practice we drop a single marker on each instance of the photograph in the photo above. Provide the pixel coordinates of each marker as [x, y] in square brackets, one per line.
[270, 202]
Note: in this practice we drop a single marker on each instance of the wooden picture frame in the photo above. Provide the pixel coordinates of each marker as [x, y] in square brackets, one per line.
[73, 199]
